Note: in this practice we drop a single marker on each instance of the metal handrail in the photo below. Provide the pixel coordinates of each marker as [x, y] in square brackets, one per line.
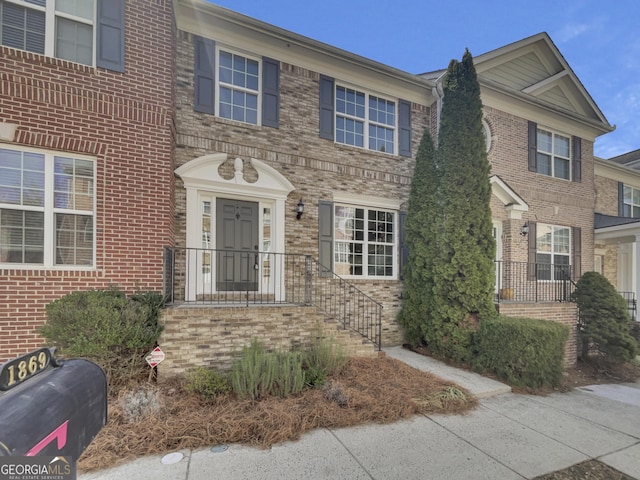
[221, 277]
[534, 282]
[630, 298]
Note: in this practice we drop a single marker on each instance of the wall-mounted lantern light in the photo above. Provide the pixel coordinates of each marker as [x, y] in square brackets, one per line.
[524, 230]
[299, 209]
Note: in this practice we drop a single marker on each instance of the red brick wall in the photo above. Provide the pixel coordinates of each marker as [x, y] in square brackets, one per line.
[125, 122]
[551, 200]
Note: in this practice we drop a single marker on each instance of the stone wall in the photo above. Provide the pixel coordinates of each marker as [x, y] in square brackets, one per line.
[215, 336]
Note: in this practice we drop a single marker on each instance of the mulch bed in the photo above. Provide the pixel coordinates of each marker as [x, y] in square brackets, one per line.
[380, 390]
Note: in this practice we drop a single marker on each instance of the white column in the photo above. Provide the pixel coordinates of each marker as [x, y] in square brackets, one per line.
[277, 231]
[193, 240]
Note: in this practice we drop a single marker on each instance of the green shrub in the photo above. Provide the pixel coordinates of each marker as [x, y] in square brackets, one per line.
[249, 376]
[107, 327]
[207, 383]
[288, 375]
[321, 359]
[604, 319]
[258, 373]
[521, 351]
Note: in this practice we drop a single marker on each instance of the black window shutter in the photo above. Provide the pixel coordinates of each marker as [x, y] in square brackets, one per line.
[620, 199]
[110, 35]
[576, 233]
[403, 248]
[327, 93]
[577, 159]
[533, 146]
[404, 125]
[204, 75]
[533, 247]
[270, 92]
[325, 236]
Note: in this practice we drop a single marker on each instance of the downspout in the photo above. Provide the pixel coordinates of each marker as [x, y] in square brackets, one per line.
[438, 93]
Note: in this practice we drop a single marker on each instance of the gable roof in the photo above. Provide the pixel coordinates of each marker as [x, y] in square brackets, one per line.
[629, 159]
[534, 71]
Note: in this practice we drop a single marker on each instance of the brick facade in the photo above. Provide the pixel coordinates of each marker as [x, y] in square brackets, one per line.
[213, 336]
[124, 121]
[141, 126]
[317, 168]
[551, 200]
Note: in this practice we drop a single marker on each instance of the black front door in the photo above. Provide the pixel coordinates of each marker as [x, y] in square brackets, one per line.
[237, 245]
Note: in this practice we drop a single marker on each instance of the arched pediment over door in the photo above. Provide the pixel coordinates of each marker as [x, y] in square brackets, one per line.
[233, 205]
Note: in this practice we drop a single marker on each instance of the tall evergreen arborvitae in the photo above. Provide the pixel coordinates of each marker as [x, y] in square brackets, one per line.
[449, 279]
[464, 266]
[420, 241]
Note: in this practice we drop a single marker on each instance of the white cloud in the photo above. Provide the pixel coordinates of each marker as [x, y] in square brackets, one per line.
[571, 31]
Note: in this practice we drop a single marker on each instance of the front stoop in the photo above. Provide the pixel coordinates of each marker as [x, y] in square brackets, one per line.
[213, 336]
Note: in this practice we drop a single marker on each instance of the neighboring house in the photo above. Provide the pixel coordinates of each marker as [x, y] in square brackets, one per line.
[86, 153]
[540, 125]
[292, 162]
[617, 223]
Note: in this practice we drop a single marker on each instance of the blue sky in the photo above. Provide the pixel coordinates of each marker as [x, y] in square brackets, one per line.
[599, 39]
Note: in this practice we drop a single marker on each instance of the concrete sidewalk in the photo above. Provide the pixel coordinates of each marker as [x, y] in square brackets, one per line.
[508, 436]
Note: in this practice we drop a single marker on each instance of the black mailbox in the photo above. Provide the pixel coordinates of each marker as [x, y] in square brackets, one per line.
[50, 407]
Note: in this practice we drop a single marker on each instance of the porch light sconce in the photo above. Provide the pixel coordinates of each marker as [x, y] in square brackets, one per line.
[299, 210]
[524, 230]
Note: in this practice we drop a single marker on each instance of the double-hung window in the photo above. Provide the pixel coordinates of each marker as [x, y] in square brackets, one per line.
[631, 202]
[235, 85]
[553, 252]
[354, 117]
[554, 154]
[364, 241]
[239, 87]
[47, 206]
[57, 28]
[365, 120]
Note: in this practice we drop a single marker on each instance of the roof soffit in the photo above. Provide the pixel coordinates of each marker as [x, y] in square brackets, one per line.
[255, 37]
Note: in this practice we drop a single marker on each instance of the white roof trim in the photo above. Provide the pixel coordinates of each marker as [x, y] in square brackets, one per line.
[627, 233]
[366, 201]
[202, 173]
[513, 203]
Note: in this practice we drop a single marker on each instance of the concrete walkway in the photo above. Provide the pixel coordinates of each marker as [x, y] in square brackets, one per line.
[508, 436]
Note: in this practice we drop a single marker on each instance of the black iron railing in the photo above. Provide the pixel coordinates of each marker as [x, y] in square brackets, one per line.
[630, 298]
[228, 277]
[533, 282]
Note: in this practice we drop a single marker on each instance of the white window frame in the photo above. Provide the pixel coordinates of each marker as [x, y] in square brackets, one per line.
[51, 14]
[367, 203]
[629, 203]
[219, 84]
[553, 155]
[552, 251]
[366, 121]
[50, 211]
